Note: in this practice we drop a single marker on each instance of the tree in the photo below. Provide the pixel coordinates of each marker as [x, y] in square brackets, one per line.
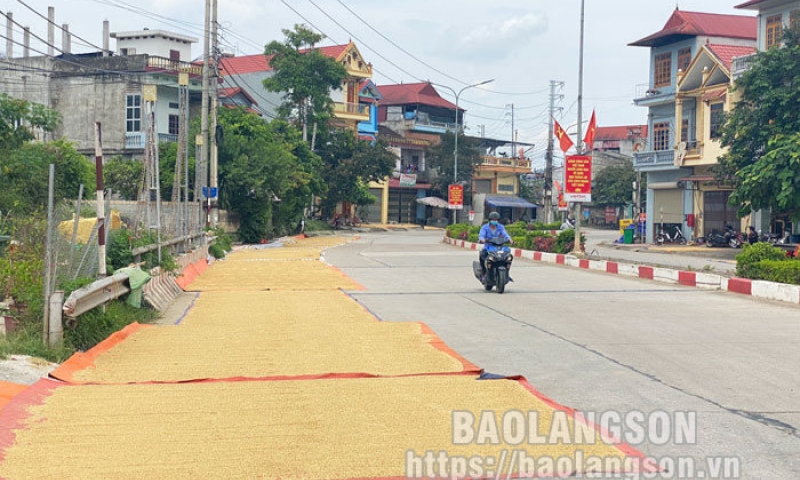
[440, 157]
[305, 75]
[259, 168]
[19, 117]
[349, 165]
[613, 186]
[761, 133]
[123, 177]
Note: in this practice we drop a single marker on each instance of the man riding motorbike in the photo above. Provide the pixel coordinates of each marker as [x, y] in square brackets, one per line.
[491, 230]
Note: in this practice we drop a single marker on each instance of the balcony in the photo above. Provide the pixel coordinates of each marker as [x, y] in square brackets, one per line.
[741, 65]
[166, 64]
[512, 163]
[136, 140]
[646, 95]
[351, 111]
[654, 160]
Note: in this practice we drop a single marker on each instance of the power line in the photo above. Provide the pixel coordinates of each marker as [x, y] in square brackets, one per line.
[8, 19]
[59, 26]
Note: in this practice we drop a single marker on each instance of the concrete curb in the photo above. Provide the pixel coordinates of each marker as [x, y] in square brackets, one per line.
[755, 288]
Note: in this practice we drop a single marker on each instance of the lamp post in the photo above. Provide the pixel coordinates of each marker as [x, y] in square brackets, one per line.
[576, 250]
[455, 151]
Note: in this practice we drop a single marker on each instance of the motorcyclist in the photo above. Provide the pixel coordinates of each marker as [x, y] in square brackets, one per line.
[491, 229]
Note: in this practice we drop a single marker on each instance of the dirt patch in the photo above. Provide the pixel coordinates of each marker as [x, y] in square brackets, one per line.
[24, 369]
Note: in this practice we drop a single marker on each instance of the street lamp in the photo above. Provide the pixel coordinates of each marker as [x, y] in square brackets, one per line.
[455, 151]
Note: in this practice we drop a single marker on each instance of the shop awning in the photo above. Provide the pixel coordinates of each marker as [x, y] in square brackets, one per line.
[509, 201]
[433, 202]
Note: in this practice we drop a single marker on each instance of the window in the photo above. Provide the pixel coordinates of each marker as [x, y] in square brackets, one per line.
[133, 113]
[774, 27]
[174, 125]
[685, 130]
[684, 58]
[662, 76]
[661, 136]
[175, 55]
[716, 120]
[794, 20]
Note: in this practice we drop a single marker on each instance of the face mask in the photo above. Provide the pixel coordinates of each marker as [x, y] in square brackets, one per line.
[493, 223]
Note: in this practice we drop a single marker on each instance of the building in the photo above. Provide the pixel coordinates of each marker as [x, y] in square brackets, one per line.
[773, 17]
[108, 87]
[496, 181]
[354, 104]
[670, 196]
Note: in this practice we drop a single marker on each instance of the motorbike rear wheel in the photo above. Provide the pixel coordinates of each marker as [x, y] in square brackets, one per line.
[502, 279]
[660, 239]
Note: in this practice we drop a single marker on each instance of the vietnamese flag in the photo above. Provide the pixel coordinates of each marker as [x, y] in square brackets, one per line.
[564, 141]
[588, 140]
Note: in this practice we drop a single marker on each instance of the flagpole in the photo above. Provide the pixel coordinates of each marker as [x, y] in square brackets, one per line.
[576, 249]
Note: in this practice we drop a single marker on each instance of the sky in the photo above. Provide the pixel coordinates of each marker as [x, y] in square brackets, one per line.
[522, 45]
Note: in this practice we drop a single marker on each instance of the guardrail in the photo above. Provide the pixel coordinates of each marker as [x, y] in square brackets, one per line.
[138, 251]
[95, 294]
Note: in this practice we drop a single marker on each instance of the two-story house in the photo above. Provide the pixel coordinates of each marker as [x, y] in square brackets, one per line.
[108, 88]
[672, 126]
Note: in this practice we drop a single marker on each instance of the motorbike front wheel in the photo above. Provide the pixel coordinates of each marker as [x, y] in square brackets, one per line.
[502, 279]
[660, 239]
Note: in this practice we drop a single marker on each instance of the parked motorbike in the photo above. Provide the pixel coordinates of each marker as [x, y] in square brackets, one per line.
[677, 237]
[498, 264]
[730, 238]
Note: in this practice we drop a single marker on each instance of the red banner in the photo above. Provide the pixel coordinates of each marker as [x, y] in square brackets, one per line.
[562, 204]
[578, 181]
[455, 196]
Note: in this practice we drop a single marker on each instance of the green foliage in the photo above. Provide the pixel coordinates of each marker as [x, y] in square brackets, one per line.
[317, 225]
[349, 164]
[762, 158]
[121, 243]
[440, 157]
[216, 251]
[613, 186]
[261, 162]
[96, 325]
[22, 268]
[304, 75]
[25, 173]
[753, 254]
[565, 241]
[224, 239]
[780, 271]
[123, 177]
[17, 119]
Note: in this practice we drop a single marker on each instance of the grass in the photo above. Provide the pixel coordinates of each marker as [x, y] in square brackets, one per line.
[317, 225]
[91, 328]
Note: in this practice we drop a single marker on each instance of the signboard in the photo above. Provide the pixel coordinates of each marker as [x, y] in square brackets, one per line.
[213, 192]
[578, 181]
[611, 214]
[408, 179]
[562, 204]
[471, 215]
[455, 195]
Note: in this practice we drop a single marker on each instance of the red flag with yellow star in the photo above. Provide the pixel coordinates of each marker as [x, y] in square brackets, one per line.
[564, 141]
[588, 140]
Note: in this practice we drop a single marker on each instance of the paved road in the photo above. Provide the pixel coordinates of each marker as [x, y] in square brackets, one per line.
[601, 343]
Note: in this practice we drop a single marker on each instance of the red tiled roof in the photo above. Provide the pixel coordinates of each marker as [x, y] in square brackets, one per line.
[726, 53]
[692, 24]
[413, 93]
[622, 132]
[229, 92]
[260, 62]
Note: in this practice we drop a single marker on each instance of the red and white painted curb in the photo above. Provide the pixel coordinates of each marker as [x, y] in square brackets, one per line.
[756, 288]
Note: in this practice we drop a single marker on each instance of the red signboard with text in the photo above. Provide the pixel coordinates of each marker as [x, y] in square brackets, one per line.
[455, 197]
[562, 204]
[578, 181]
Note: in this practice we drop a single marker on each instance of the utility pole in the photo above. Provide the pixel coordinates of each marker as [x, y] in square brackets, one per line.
[213, 191]
[203, 160]
[513, 143]
[101, 216]
[576, 250]
[548, 169]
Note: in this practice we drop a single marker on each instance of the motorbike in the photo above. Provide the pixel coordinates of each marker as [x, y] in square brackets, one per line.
[498, 264]
[730, 238]
[666, 237]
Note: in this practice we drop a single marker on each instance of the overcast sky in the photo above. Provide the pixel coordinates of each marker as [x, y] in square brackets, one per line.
[522, 44]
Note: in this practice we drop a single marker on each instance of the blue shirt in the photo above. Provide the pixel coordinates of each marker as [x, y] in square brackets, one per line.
[487, 233]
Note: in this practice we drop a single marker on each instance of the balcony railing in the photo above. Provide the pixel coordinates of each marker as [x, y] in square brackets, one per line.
[173, 65]
[506, 162]
[741, 65]
[657, 158]
[349, 108]
[137, 139]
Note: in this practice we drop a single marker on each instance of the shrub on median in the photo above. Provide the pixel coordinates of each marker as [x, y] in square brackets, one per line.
[780, 271]
[753, 254]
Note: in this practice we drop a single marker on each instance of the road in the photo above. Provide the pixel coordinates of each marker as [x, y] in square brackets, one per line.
[603, 343]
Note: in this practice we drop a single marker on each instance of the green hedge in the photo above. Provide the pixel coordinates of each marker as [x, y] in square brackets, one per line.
[527, 236]
[781, 271]
[753, 254]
